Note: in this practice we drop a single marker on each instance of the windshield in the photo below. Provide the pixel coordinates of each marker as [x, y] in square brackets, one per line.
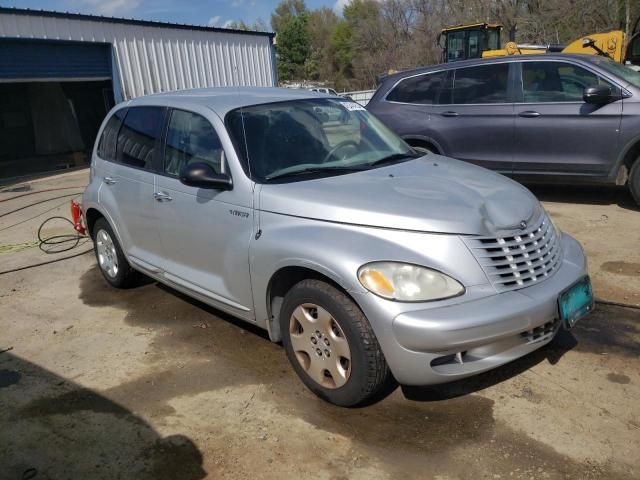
[315, 136]
[626, 73]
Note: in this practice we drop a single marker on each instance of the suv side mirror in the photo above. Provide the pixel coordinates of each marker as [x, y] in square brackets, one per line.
[598, 95]
[201, 175]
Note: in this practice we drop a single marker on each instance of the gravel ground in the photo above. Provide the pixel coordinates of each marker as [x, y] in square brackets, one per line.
[146, 383]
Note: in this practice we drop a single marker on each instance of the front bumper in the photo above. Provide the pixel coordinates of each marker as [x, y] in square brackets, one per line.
[445, 343]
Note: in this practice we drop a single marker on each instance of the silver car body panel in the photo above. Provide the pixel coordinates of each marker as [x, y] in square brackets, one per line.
[421, 211]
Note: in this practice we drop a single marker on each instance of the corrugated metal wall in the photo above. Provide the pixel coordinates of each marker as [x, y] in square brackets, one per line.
[152, 59]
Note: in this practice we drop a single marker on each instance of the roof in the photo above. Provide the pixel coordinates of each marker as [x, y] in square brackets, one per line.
[502, 59]
[128, 21]
[471, 26]
[224, 99]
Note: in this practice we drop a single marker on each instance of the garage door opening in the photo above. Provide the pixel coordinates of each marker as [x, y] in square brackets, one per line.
[53, 97]
[49, 126]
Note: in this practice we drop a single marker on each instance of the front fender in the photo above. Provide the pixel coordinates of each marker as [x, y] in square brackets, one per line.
[338, 250]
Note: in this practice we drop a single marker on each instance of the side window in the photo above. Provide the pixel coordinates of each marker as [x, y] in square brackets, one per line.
[556, 82]
[455, 46]
[482, 84]
[108, 140]
[422, 89]
[191, 138]
[138, 135]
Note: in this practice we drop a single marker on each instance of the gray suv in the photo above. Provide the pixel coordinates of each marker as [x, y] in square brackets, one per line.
[304, 215]
[540, 118]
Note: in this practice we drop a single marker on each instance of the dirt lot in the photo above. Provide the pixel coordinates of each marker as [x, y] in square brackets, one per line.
[145, 383]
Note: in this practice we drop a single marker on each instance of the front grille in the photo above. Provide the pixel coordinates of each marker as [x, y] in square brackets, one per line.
[541, 333]
[519, 260]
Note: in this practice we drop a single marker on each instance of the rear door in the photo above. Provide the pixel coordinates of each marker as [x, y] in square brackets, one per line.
[205, 233]
[405, 108]
[556, 131]
[473, 120]
[128, 184]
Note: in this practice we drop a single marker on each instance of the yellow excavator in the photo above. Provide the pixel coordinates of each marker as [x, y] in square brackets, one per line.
[482, 40]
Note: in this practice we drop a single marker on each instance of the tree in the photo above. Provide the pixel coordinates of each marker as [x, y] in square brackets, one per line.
[321, 25]
[258, 26]
[284, 11]
[293, 47]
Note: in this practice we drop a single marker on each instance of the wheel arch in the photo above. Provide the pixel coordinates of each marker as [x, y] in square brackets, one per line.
[419, 140]
[91, 217]
[282, 281]
[629, 155]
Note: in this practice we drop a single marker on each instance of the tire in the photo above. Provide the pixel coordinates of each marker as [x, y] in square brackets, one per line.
[424, 149]
[111, 260]
[634, 181]
[335, 353]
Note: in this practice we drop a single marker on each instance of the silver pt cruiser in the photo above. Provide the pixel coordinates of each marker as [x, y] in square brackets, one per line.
[301, 213]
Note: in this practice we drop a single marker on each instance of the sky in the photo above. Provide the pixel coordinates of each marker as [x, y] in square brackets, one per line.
[216, 13]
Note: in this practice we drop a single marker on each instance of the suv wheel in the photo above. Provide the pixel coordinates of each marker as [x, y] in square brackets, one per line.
[331, 345]
[634, 181]
[111, 260]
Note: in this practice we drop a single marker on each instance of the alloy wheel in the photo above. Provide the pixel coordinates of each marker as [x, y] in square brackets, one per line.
[320, 345]
[107, 256]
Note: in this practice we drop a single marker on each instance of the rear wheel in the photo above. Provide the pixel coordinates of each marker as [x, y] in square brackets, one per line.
[331, 345]
[110, 257]
[634, 181]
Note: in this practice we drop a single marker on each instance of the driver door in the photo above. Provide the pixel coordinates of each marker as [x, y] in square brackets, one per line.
[204, 233]
[556, 131]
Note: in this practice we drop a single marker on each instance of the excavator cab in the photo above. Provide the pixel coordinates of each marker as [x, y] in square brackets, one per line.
[468, 41]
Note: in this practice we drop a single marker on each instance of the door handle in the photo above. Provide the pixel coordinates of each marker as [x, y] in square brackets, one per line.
[109, 180]
[450, 114]
[529, 114]
[162, 197]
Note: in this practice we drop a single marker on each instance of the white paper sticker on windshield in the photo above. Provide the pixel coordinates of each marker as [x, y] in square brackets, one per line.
[351, 106]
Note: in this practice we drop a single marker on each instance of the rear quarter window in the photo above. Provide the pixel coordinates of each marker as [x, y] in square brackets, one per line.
[422, 89]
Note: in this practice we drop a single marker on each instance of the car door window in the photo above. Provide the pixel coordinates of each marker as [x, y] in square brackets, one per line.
[109, 138]
[421, 89]
[191, 138]
[556, 82]
[481, 84]
[138, 135]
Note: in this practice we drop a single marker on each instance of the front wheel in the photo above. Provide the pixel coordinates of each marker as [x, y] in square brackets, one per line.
[331, 345]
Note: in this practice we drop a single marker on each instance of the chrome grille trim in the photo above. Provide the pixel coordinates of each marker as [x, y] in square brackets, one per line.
[520, 259]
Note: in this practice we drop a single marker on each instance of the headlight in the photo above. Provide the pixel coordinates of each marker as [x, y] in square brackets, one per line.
[407, 283]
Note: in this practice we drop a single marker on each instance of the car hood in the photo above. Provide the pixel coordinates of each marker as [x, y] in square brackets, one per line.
[429, 194]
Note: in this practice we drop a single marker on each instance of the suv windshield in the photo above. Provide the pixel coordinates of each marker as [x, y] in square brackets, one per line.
[627, 74]
[311, 136]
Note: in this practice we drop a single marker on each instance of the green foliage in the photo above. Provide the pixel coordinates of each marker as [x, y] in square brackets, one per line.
[293, 47]
[342, 42]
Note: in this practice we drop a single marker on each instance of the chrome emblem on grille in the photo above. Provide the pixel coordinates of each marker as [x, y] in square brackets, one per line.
[523, 225]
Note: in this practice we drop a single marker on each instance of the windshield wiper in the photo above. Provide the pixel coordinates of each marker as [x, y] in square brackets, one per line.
[394, 157]
[311, 170]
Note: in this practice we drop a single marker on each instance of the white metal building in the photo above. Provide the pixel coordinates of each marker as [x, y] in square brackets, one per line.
[60, 73]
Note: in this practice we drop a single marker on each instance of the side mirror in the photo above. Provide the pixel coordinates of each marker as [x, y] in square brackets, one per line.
[598, 95]
[201, 175]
